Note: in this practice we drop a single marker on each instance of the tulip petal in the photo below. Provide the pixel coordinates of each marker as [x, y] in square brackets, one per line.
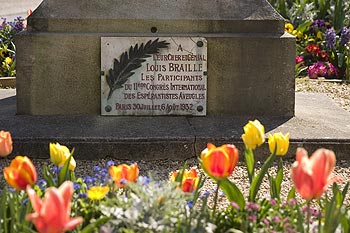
[53, 209]
[66, 191]
[34, 199]
[73, 223]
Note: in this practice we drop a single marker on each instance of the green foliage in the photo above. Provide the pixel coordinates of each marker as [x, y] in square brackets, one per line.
[157, 206]
[7, 48]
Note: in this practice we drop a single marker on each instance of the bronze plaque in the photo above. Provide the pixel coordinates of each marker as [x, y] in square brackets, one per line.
[153, 76]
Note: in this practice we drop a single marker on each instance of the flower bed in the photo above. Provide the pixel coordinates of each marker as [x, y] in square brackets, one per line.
[117, 199]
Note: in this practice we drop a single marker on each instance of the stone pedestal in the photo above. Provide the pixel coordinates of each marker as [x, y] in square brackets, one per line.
[251, 61]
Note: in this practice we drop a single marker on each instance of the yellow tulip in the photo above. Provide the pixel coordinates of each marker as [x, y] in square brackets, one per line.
[97, 193]
[59, 154]
[279, 140]
[253, 134]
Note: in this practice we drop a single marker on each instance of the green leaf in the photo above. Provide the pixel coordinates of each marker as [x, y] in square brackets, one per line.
[279, 178]
[48, 176]
[250, 162]
[89, 228]
[64, 173]
[232, 192]
[291, 193]
[3, 209]
[272, 182]
[255, 185]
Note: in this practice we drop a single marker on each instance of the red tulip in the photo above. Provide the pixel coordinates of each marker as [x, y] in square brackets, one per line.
[52, 214]
[20, 173]
[190, 179]
[219, 162]
[311, 176]
[5, 143]
[122, 173]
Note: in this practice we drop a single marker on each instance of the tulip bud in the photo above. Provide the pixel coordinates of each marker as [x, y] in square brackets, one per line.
[219, 162]
[279, 140]
[253, 134]
[20, 173]
[189, 181]
[5, 143]
[59, 154]
[122, 173]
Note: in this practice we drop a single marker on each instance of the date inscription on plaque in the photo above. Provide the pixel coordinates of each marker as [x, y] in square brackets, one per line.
[153, 76]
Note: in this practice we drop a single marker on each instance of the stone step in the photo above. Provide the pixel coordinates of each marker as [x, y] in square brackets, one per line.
[318, 122]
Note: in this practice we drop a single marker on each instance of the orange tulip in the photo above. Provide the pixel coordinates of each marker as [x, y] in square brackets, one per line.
[219, 162]
[52, 213]
[5, 143]
[122, 173]
[311, 176]
[190, 179]
[20, 173]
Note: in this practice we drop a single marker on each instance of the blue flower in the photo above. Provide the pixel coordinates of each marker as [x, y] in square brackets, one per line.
[77, 186]
[190, 204]
[344, 36]
[110, 163]
[82, 195]
[204, 195]
[97, 168]
[330, 38]
[42, 184]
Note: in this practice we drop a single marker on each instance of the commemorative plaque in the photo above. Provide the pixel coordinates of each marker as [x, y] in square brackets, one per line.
[153, 76]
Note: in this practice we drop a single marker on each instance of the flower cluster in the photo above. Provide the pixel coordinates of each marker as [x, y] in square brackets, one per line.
[117, 199]
[322, 51]
[7, 47]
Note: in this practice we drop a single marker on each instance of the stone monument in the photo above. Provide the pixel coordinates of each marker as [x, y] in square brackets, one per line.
[70, 60]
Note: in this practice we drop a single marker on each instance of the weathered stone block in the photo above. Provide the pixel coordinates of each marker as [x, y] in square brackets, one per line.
[250, 58]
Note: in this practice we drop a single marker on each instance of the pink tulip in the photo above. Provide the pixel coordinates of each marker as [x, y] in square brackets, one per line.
[311, 176]
[5, 143]
[52, 214]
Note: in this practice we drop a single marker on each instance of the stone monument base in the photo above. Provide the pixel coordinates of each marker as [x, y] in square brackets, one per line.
[250, 66]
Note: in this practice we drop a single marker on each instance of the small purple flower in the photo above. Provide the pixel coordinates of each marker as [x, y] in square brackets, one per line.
[332, 70]
[344, 36]
[251, 206]
[276, 219]
[252, 218]
[266, 222]
[273, 202]
[292, 202]
[330, 38]
[317, 25]
[235, 205]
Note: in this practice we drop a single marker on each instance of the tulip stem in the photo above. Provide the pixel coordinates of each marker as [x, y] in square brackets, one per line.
[216, 197]
[308, 216]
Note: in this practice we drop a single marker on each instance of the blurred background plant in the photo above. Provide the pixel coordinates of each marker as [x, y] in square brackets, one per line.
[321, 28]
[8, 29]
